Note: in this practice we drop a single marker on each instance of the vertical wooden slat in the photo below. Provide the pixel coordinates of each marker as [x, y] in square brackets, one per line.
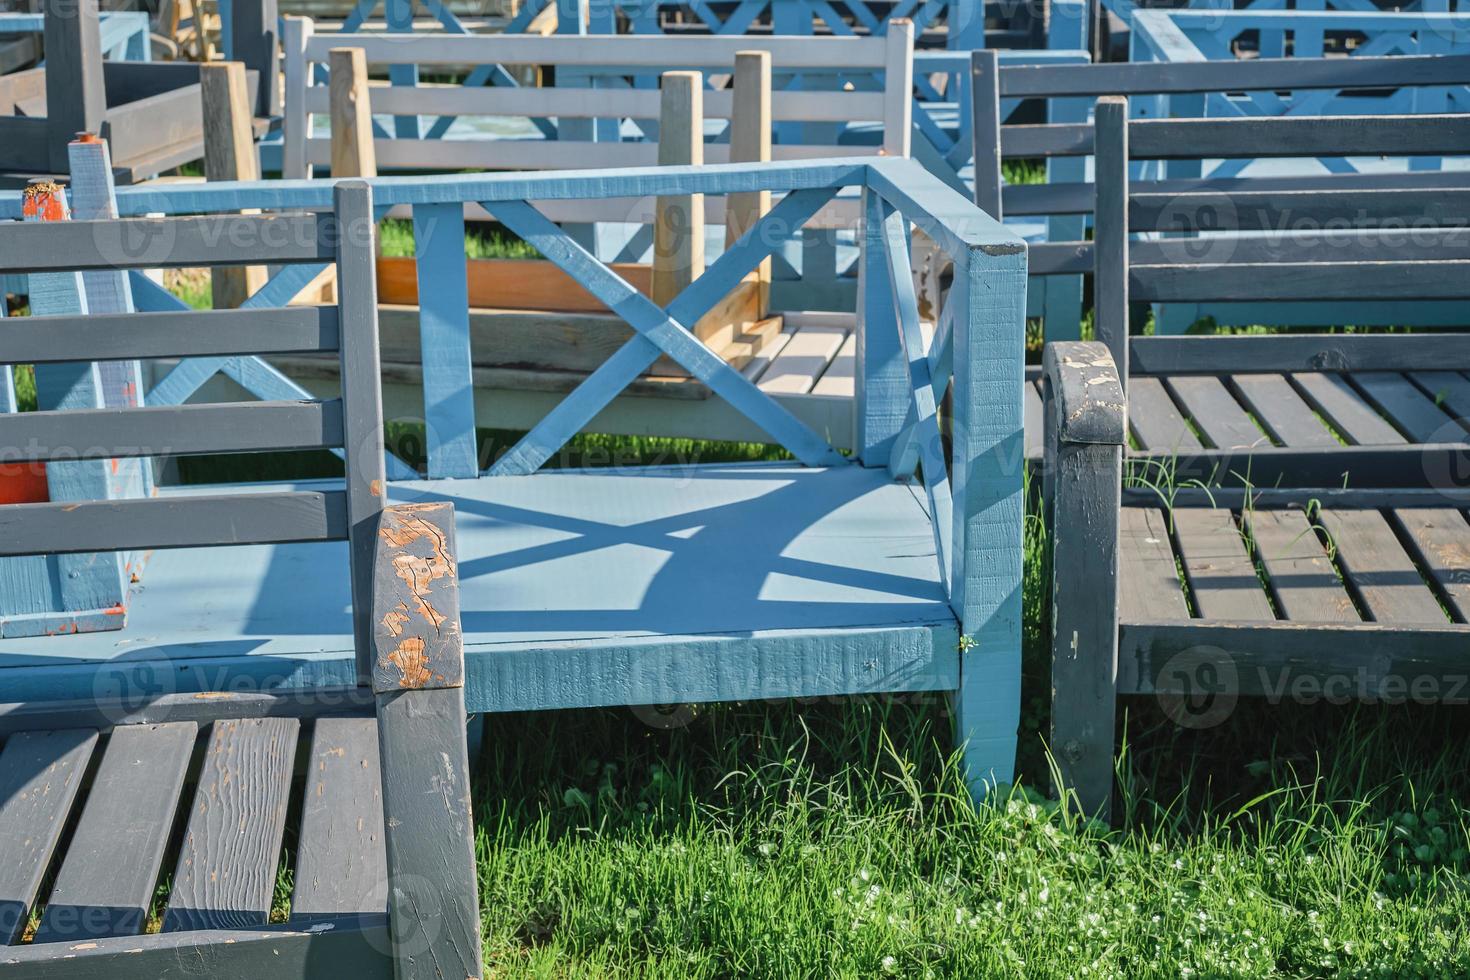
[750, 142]
[107, 879]
[678, 229]
[898, 87]
[987, 449]
[341, 864]
[253, 44]
[882, 392]
[76, 100]
[985, 94]
[40, 773]
[399, 17]
[226, 875]
[444, 340]
[362, 401]
[353, 154]
[229, 154]
[1110, 221]
[296, 124]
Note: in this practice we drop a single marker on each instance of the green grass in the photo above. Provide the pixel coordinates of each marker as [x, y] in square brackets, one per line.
[395, 237]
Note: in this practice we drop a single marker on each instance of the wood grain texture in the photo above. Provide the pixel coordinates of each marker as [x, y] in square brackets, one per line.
[226, 874]
[230, 154]
[1304, 583]
[1219, 416]
[1148, 579]
[1410, 410]
[1376, 566]
[353, 149]
[1155, 420]
[1222, 578]
[341, 863]
[678, 229]
[1288, 418]
[107, 879]
[1346, 410]
[1439, 539]
[433, 895]
[40, 773]
[417, 636]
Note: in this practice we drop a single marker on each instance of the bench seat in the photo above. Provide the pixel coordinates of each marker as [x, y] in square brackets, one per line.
[1302, 409]
[646, 585]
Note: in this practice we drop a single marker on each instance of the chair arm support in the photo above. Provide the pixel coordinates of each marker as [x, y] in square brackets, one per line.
[1085, 402]
[416, 630]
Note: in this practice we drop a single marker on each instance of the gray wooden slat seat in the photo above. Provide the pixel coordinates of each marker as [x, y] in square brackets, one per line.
[217, 775]
[1289, 419]
[1289, 592]
[111, 867]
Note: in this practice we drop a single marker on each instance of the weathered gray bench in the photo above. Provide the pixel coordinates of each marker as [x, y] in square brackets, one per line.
[1314, 410]
[98, 797]
[1346, 577]
[1155, 90]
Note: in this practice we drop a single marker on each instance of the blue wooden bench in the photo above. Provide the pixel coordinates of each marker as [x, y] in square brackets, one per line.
[823, 576]
[1344, 576]
[384, 873]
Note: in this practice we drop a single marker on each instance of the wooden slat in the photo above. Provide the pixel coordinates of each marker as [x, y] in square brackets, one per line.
[838, 378]
[1300, 136]
[1154, 418]
[1222, 576]
[1033, 419]
[1345, 409]
[1408, 408]
[1296, 352]
[766, 356]
[1273, 401]
[1323, 280]
[226, 874]
[166, 430]
[107, 879]
[341, 866]
[1216, 413]
[1148, 578]
[1439, 537]
[1303, 580]
[801, 362]
[40, 773]
[1449, 390]
[1373, 561]
[191, 333]
[138, 243]
[172, 522]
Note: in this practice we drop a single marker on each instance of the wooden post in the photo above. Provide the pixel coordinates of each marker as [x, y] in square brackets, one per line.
[1082, 476]
[898, 88]
[76, 98]
[88, 583]
[253, 43]
[678, 231]
[1110, 224]
[229, 154]
[985, 96]
[750, 142]
[296, 123]
[352, 115]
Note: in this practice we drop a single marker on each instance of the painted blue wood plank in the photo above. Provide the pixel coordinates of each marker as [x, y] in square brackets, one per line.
[444, 339]
[881, 389]
[988, 448]
[928, 444]
[660, 332]
[87, 581]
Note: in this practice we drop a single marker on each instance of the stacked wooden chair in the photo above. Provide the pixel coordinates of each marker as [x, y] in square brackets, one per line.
[1333, 563]
[98, 798]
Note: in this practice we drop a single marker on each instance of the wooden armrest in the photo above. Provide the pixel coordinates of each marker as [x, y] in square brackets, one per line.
[1085, 397]
[416, 629]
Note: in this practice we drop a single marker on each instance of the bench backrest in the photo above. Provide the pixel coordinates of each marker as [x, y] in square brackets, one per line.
[995, 140]
[601, 67]
[56, 253]
[1349, 243]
